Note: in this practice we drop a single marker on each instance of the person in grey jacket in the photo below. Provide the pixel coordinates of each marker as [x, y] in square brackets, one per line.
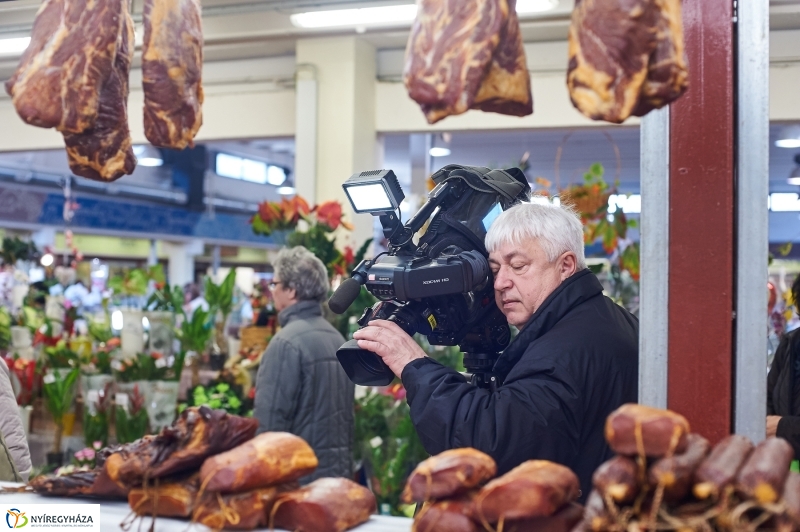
[300, 387]
[11, 425]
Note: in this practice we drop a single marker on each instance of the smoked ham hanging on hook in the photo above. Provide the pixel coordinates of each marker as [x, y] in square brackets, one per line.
[172, 61]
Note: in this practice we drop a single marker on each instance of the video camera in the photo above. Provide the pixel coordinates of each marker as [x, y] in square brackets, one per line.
[440, 285]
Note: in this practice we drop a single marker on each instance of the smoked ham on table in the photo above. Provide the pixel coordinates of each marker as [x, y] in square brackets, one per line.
[172, 60]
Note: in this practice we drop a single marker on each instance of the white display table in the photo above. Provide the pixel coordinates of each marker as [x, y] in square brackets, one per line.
[112, 514]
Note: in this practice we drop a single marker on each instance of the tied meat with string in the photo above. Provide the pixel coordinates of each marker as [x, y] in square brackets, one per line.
[239, 511]
[447, 474]
[199, 432]
[325, 505]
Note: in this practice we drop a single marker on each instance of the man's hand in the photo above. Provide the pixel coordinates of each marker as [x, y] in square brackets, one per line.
[387, 340]
[772, 425]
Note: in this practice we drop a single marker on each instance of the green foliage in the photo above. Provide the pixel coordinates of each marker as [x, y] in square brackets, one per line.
[217, 396]
[195, 333]
[5, 329]
[100, 330]
[317, 242]
[15, 249]
[59, 391]
[31, 318]
[166, 298]
[220, 297]
[142, 367]
[388, 444]
[60, 356]
[132, 283]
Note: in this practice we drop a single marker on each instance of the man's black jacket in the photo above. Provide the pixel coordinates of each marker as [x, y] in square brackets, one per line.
[782, 397]
[572, 364]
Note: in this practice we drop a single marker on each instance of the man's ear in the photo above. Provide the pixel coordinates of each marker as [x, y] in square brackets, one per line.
[567, 265]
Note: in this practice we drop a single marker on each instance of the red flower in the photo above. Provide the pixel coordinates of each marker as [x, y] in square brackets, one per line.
[293, 209]
[330, 214]
[349, 256]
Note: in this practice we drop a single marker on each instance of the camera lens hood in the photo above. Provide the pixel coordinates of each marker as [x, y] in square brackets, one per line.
[363, 367]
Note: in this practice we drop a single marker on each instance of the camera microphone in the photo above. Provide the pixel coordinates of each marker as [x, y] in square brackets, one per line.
[344, 296]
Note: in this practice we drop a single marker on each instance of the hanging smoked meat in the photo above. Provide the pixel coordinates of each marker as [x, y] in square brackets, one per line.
[70, 57]
[172, 60]
[104, 152]
[625, 57]
[449, 51]
[506, 89]
[667, 73]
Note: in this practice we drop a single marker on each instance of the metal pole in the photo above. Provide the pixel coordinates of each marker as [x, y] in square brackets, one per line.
[752, 217]
[654, 293]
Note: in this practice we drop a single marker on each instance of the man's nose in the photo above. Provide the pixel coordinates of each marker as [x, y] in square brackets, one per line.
[501, 281]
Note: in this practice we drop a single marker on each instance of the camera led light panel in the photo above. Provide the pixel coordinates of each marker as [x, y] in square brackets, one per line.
[376, 191]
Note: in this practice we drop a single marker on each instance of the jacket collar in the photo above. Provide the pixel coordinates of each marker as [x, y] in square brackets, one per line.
[569, 294]
[299, 311]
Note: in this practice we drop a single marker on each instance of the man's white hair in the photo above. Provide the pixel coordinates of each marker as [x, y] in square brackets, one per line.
[558, 229]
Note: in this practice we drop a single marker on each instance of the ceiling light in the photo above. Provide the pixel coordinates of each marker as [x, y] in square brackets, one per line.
[789, 137]
[139, 149]
[788, 143]
[439, 152]
[364, 16]
[47, 259]
[14, 46]
[793, 180]
[525, 7]
[150, 161]
[286, 191]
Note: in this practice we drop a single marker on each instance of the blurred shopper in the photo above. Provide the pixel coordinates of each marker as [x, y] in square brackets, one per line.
[193, 300]
[783, 385]
[14, 443]
[301, 388]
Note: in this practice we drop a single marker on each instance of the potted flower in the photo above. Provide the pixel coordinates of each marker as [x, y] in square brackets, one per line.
[277, 219]
[58, 388]
[97, 408]
[164, 377]
[130, 416]
[220, 301]
[134, 372]
[194, 336]
[96, 373]
[161, 307]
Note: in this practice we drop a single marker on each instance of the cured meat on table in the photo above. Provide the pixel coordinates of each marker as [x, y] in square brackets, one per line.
[104, 152]
[447, 474]
[625, 57]
[325, 505]
[172, 60]
[506, 89]
[60, 76]
[238, 511]
[269, 458]
[198, 433]
[167, 499]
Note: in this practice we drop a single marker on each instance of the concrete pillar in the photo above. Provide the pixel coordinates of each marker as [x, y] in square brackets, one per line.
[346, 141]
[181, 260]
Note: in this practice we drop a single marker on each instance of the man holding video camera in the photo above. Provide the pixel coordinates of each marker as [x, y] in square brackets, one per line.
[573, 362]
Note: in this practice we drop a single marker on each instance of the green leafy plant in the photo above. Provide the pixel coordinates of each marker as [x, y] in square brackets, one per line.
[132, 283]
[96, 412]
[100, 330]
[60, 356]
[195, 333]
[15, 249]
[220, 297]
[59, 391]
[167, 298]
[5, 329]
[131, 417]
[142, 367]
[217, 396]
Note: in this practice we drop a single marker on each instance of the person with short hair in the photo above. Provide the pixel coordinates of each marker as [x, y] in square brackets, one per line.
[783, 385]
[300, 387]
[574, 361]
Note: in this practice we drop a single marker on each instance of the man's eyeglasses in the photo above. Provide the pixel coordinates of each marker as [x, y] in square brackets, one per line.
[274, 284]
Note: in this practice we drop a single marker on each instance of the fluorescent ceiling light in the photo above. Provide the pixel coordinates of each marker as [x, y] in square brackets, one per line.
[439, 152]
[629, 204]
[276, 175]
[286, 191]
[365, 16]
[784, 202]
[14, 46]
[793, 180]
[139, 150]
[150, 161]
[535, 6]
[788, 143]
